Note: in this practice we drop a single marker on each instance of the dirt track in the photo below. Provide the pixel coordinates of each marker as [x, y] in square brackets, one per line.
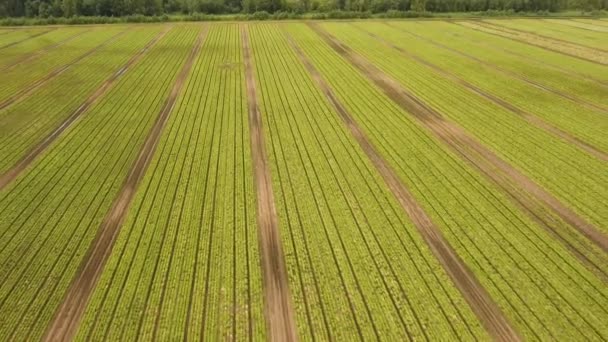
[480, 301]
[12, 173]
[64, 325]
[279, 311]
[531, 118]
[21, 94]
[524, 192]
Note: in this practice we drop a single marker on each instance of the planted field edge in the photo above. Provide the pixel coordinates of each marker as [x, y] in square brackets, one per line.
[68, 315]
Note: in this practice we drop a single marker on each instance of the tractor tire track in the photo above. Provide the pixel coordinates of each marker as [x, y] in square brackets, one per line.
[509, 73]
[42, 51]
[22, 164]
[280, 317]
[521, 189]
[23, 93]
[28, 38]
[509, 35]
[65, 322]
[531, 118]
[480, 301]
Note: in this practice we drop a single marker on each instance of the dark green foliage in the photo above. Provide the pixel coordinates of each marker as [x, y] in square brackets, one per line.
[52, 10]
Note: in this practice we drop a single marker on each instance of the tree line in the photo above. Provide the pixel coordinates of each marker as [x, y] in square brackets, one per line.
[121, 8]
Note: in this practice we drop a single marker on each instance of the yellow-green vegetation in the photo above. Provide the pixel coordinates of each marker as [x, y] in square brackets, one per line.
[411, 180]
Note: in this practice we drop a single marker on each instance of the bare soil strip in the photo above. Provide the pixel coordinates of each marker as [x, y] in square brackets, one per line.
[28, 38]
[23, 93]
[509, 73]
[280, 317]
[42, 51]
[64, 325]
[524, 192]
[531, 118]
[11, 174]
[480, 301]
[508, 36]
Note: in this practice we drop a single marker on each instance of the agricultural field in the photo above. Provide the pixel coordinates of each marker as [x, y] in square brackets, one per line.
[311, 180]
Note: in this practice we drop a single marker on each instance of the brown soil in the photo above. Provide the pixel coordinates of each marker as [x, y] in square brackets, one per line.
[524, 192]
[28, 38]
[510, 73]
[278, 305]
[64, 325]
[23, 93]
[531, 118]
[12, 173]
[42, 51]
[508, 35]
[480, 301]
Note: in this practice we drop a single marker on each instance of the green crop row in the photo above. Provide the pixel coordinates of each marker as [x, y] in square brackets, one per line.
[19, 79]
[555, 29]
[578, 179]
[357, 267]
[541, 287]
[27, 48]
[186, 263]
[26, 123]
[51, 214]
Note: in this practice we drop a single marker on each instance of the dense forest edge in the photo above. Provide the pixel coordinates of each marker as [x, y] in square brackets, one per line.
[76, 12]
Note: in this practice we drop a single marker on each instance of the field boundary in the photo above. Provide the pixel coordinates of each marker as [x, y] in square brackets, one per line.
[280, 317]
[533, 119]
[68, 315]
[475, 294]
[23, 93]
[14, 172]
[523, 191]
